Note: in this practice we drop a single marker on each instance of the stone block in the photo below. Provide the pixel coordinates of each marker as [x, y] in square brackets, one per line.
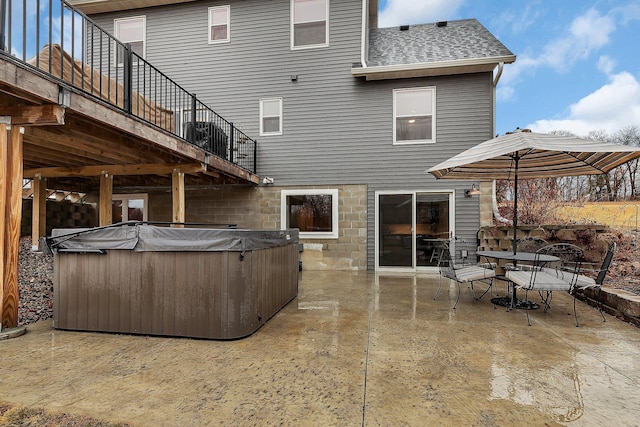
[566, 235]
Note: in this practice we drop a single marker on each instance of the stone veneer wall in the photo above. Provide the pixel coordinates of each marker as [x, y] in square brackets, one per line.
[501, 238]
[259, 208]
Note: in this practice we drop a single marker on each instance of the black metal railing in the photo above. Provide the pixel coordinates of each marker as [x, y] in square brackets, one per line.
[59, 40]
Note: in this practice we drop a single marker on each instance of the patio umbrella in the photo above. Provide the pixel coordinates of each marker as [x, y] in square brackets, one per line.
[524, 154]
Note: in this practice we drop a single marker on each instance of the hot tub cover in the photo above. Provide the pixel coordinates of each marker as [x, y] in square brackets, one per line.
[149, 238]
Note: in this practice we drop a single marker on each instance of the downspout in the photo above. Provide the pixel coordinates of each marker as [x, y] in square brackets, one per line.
[494, 201]
[365, 15]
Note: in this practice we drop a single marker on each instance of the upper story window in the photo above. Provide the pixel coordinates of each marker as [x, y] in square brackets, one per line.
[414, 115]
[271, 116]
[309, 23]
[219, 24]
[313, 212]
[131, 30]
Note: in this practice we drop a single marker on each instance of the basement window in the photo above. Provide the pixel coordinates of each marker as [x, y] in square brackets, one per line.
[314, 212]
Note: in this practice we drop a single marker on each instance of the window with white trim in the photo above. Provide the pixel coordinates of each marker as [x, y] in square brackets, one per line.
[414, 115]
[270, 116]
[314, 212]
[130, 30]
[219, 24]
[309, 23]
[128, 207]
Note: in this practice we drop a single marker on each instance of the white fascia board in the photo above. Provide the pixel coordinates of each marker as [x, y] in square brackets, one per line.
[458, 63]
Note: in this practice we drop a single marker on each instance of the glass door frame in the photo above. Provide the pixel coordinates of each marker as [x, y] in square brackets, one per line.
[413, 193]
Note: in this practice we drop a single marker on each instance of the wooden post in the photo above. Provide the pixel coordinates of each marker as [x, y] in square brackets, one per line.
[106, 194]
[12, 217]
[3, 204]
[177, 189]
[39, 213]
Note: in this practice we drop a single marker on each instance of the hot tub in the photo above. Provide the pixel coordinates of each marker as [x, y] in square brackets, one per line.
[185, 282]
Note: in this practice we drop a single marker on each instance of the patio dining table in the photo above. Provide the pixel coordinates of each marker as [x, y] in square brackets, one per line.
[541, 259]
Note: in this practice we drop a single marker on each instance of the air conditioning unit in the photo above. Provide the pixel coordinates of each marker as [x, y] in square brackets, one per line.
[208, 136]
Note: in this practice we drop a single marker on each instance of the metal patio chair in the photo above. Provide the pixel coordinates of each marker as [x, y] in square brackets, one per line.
[584, 282]
[463, 272]
[546, 279]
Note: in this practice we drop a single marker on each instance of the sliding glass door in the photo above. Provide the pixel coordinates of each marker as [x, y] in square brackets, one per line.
[410, 227]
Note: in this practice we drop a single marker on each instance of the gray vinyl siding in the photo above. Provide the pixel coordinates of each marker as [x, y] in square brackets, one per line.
[337, 129]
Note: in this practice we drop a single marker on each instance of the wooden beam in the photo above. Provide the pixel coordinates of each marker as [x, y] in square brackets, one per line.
[34, 115]
[32, 85]
[177, 190]
[3, 203]
[106, 194]
[96, 170]
[12, 217]
[101, 149]
[38, 211]
[98, 113]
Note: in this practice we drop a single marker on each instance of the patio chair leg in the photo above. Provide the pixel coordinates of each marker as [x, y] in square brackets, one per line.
[575, 314]
[489, 288]
[599, 304]
[473, 291]
[458, 297]
[546, 300]
[526, 298]
[439, 286]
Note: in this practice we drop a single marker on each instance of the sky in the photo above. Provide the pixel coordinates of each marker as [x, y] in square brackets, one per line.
[578, 61]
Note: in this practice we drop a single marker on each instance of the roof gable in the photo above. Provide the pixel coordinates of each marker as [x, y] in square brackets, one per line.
[450, 47]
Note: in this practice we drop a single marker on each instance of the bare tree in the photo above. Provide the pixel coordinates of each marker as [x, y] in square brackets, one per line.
[630, 136]
[539, 199]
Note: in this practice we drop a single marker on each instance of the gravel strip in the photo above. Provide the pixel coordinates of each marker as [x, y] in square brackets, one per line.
[35, 285]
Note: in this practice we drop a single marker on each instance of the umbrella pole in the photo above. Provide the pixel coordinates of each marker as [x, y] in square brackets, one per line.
[515, 203]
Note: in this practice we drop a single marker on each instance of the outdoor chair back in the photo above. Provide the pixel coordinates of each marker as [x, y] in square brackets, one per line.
[571, 256]
[527, 244]
[530, 244]
[586, 281]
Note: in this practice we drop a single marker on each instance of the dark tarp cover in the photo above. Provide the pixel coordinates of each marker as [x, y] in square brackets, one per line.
[149, 238]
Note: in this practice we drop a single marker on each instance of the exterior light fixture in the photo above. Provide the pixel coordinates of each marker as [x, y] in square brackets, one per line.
[473, 191]
[64, 97]
[412, 121]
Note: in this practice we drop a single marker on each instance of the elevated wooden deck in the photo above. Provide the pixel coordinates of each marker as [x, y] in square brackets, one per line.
[72, 146]
[82, 144]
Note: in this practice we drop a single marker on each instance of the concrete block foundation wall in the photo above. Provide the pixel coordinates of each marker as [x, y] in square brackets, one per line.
[219, 205]
[259, 208]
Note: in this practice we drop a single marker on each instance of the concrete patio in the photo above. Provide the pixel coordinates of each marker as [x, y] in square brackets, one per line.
[353, 349]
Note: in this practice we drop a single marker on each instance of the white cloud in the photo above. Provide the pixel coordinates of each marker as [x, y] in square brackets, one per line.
[398, 12]
[519, 20]
[612, 107]
[606, 64]
[587, 33]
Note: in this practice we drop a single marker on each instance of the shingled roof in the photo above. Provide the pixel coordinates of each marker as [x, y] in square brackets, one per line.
[450, 46]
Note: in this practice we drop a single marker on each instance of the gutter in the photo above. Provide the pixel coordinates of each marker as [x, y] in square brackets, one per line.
[364, 71]
[363, 45]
